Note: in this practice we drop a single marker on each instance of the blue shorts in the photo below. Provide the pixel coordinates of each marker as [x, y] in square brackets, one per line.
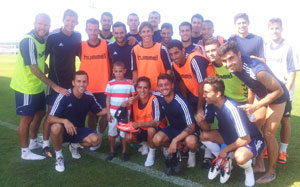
[29, 104]
[256, 146]
[82, 132]
[142, 136]
[288, 109]
[172, 132]
[101, 99]
[51, 96]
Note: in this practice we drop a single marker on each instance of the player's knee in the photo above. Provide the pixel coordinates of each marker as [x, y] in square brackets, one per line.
[157, 140]
[128, 138]
[191, 142]
[151, 131]
[240, 157]
[268, 134]
[95, 139]
[204, 136]
[56, 128]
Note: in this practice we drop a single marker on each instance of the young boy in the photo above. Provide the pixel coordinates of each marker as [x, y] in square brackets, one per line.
[118, 90]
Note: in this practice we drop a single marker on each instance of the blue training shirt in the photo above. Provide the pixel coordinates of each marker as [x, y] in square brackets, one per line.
[74, 109]
[233, 122]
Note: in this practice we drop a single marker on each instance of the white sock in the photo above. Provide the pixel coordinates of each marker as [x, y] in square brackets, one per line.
[150, 158]
[33, 140]
[46, 143]
[283, 147]
[191, 160]
[213, 147]
[250, 180]
[58, 153]
[207, 153]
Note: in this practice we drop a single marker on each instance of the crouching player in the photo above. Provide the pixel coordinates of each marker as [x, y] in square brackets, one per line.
[180, 116]
[235, 130]
[148, 116]
[67, 118]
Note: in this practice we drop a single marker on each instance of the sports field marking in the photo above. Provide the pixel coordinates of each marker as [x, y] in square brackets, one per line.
[133, 166]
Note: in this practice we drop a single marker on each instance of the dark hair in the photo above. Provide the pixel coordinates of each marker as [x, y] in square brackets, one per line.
[165, 76]
[241, 15]
[175, 43]
[185, 23]
[80, 72]
[199, 16]
[92, 21]
[144, 79]
[154, 12]
[106, 14]
[228, 46]
[213, 40]
[145, 24]
[275, 20]
[217, 84]
[119, 64]
[209, 22]
[70, 12]
[167, 26]
[119, 24]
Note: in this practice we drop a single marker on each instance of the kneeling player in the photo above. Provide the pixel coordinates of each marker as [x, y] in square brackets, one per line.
[180, 116]
[67, 118]
[147, 115]
[235, 130]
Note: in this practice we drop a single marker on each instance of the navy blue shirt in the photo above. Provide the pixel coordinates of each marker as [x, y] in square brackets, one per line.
[74, 109]
[178, 112]
[250, 45]
[196, 40]
[63, 50]
[137, 36]
[191, 48]
[121, 53]
[157, 37]
[232, 121]
[251, 67]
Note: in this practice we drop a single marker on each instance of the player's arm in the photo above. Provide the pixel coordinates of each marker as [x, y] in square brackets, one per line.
[146, 124]
[271, 84]
[109, 117]
[166, 59]
[205, 121]
[240, 142]
[70, 128]
[290, 80]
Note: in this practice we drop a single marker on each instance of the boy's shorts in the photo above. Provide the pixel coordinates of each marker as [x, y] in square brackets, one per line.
[29, 104]
[112, 129]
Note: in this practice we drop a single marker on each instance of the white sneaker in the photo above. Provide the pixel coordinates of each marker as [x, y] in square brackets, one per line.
[59, 164]
[192, 160]
[249, 174]
[225, 171]
[165, 152]
[95, 148]
[214, 170]
[73, 147]
[28, 155]
[35, 145]
[150, 160]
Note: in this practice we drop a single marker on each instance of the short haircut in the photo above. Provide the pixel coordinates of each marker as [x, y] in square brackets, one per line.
[106, 14]
[132, 14]
[165, 76]
[70, 12]
[228, 46]
[42, 15]
[275, 20]
[213, 40]
[185, 23]
[154, 12]
[144, 79]
[119, 64]
[209, 22]
[119, 24]
[199, 16]
[145, 24]
[92, 21]
[241, 15]
[80, 72]
[175, 43]
[167, 26]
[216, 83]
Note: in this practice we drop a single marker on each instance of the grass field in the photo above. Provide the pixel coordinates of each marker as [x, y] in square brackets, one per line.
[92, 171]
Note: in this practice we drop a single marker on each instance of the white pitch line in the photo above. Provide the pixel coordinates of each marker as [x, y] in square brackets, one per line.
[133, 166]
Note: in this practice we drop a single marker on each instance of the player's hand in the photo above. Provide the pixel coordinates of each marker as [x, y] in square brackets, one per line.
[135, 125]
[132, 99]
[61, 90]
[223, 153]
[172, 147]
[131, 40]
[70, 128]
[248, 108]
[200, 117]
[109, 117]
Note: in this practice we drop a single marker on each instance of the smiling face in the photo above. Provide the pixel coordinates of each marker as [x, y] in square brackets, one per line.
[165, 87]
[69, 23]
[80, 83]
[211, 52]
[177, 55]
[185, 33]
[209, 94]
[232, 61]
[119, 34]
[143, 89]
[275, 31]
[196, 24]
[166, 35]
[106, 22]
[207, 30]
[92, 30]
[146, 34]
[242, 26]
[154, 20]
[41, 26]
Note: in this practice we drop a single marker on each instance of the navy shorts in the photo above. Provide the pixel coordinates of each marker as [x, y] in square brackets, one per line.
[256, 146]
[82, 132]
[288, 109]
[51, 96]
[101, 99]
[172, 132]
[29, 104]
[141, 136]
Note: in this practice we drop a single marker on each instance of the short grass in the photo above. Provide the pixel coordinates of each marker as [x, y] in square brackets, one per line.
[90, 171]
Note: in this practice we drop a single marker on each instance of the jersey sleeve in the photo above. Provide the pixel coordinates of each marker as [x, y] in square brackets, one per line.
[58, 106]
[95, 107]
[165, 58]
[199, 66]
[186, 113]
[78, 47]
[157, 113]
[291, 61]
[176, 76]
[48, 46]
[261, 52]
[108, 90]
[133, 60]
[28, 51]
[237, 120]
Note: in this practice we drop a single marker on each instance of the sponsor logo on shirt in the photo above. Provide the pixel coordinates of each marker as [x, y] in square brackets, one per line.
[70, 105]
[60, 44]
[93, 57]
[147, 57]
[115, 53]
[186, 76]
[228, 76]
